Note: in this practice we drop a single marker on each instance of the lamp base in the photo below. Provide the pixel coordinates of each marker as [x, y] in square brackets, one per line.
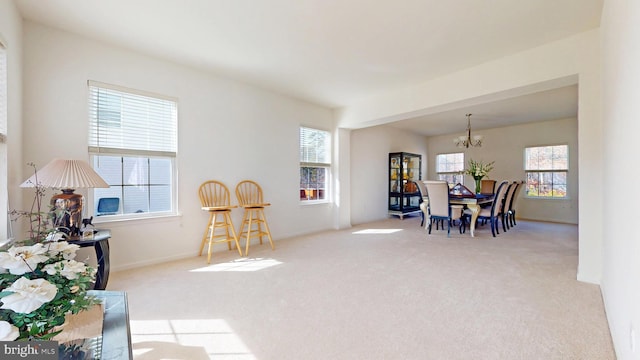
[66, 211]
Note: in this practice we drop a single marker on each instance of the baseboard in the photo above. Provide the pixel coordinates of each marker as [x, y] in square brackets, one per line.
[154, 261]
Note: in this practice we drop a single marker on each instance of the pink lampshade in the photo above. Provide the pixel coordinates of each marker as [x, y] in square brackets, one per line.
[66, 174]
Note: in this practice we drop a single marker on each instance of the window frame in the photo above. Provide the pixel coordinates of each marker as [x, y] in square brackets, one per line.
[307, 163]
[96, 150]
[552, 171]
[455, 173]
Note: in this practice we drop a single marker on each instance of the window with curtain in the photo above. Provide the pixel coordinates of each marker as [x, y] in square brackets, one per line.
[133, 146]
[5, 224]
[315, 165]
[546, 168]
[449, 167]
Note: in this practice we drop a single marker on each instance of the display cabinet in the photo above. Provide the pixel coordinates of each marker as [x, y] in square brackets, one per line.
[404, 196]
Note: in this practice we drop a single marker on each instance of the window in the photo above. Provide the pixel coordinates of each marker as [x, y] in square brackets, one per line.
[315, 164]
[546, 168]
[449, 167]
[133, 145]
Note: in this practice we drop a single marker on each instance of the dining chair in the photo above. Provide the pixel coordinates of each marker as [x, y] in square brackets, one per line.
[487, 187]
[254, 222]
[424, 200]
[439, 207]
[511, 208]
[215, 198]
[505, 207]
[424, 206]
[494, 213]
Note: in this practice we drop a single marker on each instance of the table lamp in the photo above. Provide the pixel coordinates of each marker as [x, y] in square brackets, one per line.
[67, 175]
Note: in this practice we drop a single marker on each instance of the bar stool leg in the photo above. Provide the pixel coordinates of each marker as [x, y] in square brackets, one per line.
[206, 234]
[233, 231]
[267, 232]
[211, 237]
[249, 221]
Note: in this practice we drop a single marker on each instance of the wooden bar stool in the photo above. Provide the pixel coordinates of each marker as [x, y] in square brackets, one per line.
[215, 198]
[254, 223]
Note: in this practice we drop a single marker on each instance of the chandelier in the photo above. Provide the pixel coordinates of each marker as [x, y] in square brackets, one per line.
[464, 141]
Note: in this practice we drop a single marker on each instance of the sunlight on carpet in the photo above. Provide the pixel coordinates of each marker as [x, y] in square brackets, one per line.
[376, 231]
[253, 264]
[192, 339]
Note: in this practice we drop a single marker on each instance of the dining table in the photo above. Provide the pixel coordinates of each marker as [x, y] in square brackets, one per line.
[473, 203]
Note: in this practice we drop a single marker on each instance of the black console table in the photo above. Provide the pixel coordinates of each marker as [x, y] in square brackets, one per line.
[100, 242]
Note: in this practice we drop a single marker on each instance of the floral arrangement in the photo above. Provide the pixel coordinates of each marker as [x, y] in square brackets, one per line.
[40, 282]
[478, 169]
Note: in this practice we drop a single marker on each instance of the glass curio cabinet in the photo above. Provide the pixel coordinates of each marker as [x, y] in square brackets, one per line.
[404, 196]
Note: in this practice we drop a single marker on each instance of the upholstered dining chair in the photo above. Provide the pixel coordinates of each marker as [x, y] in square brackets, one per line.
[508, 197]
[494, 213]
[439, 207]
[254, 222]
[215, 198]
[511, 208]
[424, 200]
[487, 187]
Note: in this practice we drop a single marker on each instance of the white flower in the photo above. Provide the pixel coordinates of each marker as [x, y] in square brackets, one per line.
[28, 295]
[67, 250]
[478, 169]
[68, 268]
[8, 332]
[72, 268]
[51, 268]
[22, 259]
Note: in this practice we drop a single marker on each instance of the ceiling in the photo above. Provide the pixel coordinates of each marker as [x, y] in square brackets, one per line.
[558, 103]
[334, 52]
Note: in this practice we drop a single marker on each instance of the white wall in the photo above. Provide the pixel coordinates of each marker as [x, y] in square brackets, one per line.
[621, 109]
[561, 63]
[506, 146]
[370, 148]
[11, 35]
[227, 131]
[342, 194]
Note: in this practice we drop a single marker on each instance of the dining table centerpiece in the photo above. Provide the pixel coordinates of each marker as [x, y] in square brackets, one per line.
[478, 170]
[41, 282]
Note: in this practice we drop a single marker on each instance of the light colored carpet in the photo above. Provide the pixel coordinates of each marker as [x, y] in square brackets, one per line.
[384, 290]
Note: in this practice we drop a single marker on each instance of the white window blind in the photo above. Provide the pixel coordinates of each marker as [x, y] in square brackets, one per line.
[450, 163]
[449, 167]
[315, 146]
[125, 119]
[547, 158]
